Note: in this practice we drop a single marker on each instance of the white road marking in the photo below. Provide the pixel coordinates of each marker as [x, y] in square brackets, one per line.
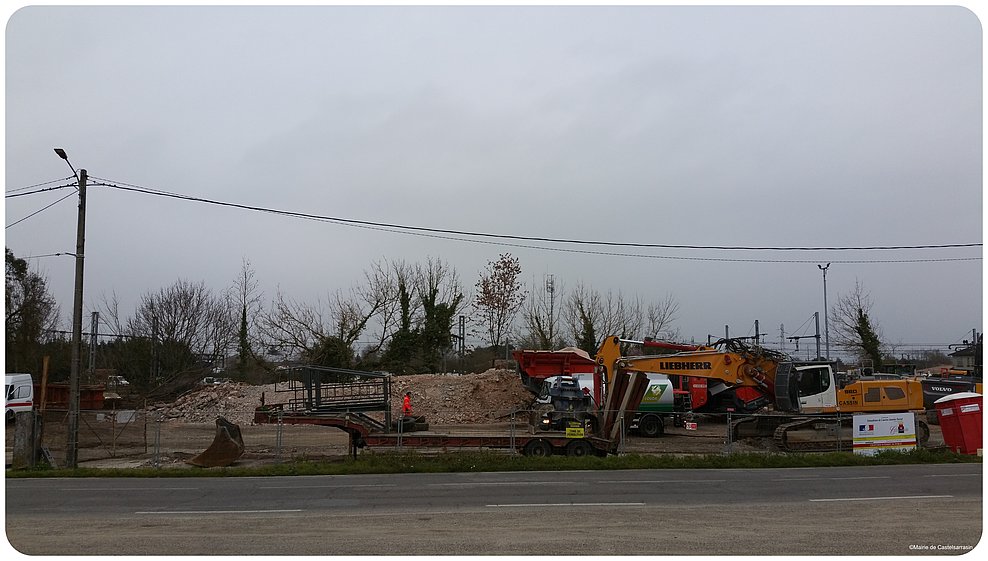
[115, 489]
[327, 486]
[883, 498]
[868, 477]
[664, 481]
[491, 483]
[539, 505]
[832, 478]
[953, 475]
[216, 511]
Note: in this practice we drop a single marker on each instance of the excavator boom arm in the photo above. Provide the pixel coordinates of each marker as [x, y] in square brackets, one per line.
[733, 369]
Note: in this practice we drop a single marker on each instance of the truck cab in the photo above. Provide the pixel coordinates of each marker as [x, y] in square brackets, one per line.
[19, 395]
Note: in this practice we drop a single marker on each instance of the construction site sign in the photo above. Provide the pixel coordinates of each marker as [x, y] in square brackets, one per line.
[877, 433]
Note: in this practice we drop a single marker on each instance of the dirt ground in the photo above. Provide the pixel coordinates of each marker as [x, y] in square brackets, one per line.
[172, 444]
[170, 434]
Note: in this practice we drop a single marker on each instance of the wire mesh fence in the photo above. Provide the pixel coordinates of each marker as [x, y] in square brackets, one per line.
[110, 438]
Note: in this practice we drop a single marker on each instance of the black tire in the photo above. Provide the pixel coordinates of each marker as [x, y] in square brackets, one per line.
[579, 448]
[932, 417]
[651, 426]
[538, 448]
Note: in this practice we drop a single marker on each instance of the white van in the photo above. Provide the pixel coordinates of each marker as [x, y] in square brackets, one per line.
[19, 392]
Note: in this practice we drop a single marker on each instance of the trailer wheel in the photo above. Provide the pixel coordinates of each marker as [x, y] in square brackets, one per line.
[579, 448]
[651, 426]
[538, 448]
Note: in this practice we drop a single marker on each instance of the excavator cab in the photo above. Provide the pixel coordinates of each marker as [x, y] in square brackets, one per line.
[787, 387]
[805, 387]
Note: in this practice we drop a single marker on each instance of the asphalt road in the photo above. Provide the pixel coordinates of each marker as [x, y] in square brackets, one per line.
[879, 510]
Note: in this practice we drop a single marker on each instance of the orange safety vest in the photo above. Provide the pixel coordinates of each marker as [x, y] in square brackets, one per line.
[406, 407]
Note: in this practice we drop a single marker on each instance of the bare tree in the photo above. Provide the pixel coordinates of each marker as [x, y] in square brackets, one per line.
[318, 334]
[384, 282]
[584, 316]
[291, 326]
[499, 295]
[246, 305]
[659, 318]
[853, 326]
[591, 316]
[621, 316]
[542, 316]
[186, 324]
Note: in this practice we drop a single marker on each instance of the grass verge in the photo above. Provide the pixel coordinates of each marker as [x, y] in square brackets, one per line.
[454, 462]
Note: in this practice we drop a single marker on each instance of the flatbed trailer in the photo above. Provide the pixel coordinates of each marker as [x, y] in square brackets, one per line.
[363, 433]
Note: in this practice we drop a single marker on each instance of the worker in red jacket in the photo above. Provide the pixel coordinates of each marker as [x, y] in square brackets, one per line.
[406, 405]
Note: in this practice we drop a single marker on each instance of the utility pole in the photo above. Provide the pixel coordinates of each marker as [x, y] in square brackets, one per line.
[826, 311]
[550, 287]
[93, 332]
[71, 449]
[816, 317]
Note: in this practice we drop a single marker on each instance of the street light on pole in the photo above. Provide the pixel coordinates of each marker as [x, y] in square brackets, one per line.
[826, 312]
[71, 451]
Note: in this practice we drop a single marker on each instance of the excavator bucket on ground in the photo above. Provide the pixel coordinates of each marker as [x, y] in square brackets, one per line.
[226, 448]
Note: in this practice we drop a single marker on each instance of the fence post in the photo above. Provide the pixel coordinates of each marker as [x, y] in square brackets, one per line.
[156, 461]
[840, 443]
[401, 423]
[279, 437]
[621, 431]
[730, 435]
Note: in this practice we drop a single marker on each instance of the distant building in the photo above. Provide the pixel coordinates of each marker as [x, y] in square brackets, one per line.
[969, 357]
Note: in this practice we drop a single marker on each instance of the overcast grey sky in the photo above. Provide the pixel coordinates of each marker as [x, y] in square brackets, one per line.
[704, 126]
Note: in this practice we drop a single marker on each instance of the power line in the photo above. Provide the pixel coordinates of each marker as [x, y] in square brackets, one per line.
[490, 239]
[137, 188]
[15, 195]
[40, 185]
[39, 211]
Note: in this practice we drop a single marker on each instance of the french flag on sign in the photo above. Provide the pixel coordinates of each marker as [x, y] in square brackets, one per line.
[866, 428]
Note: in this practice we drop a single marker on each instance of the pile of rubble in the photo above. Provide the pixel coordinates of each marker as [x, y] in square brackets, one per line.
[485, 397]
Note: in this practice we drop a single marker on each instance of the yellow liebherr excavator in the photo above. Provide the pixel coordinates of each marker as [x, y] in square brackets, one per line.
[808, 407]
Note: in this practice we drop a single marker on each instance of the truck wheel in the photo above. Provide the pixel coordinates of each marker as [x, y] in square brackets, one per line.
[651, 426]
[538, 448]
[579, 448]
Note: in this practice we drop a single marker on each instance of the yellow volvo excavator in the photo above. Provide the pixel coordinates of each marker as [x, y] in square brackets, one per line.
[807, 406]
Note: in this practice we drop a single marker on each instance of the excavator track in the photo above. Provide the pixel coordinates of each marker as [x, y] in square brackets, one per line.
[814, 435]
[808, 433]
[828, 434]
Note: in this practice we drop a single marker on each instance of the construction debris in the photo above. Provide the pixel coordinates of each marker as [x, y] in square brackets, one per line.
[485, 397]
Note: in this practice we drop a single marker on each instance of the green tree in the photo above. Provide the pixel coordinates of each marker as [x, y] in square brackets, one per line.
[870, 344]
[30, 314]
[586, 336]
[402, 346]
[440, 294]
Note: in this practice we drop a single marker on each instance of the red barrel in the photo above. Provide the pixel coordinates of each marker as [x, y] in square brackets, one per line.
[960, 421]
